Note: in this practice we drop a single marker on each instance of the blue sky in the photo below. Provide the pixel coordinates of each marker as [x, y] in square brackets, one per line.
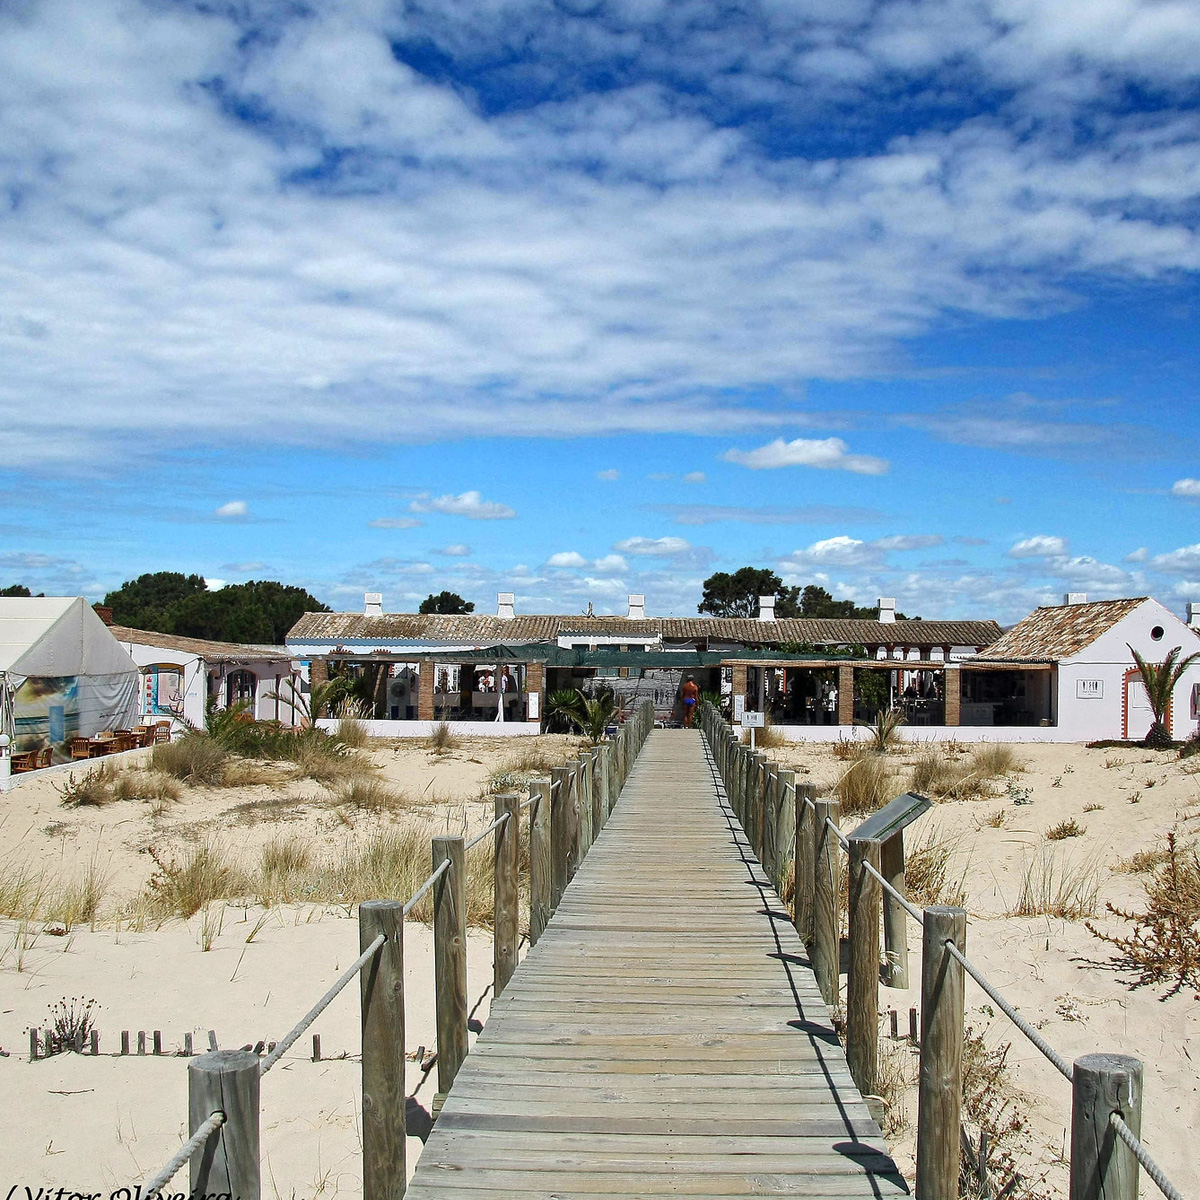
[579, 299]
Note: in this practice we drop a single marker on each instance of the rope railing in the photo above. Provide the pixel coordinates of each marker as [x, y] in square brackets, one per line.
[183, 1154]
[484, 833]
[753, 787]
[321, 1005]
[226, 1083]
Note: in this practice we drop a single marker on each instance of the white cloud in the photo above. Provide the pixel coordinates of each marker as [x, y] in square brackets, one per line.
[1188, 488]
[1040, 546]
[610, 564]
[213, 584]
[457, 550]
[695, 477]
[1140, 555]
[233, 511]
[915, 541]
[395, 523]
[468, 504]
[663, 547]
[841, 551]
[1185, 559]
[567, 559]
[608, 475]
[824, 453]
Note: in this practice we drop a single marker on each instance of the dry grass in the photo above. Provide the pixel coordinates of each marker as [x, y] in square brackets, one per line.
[1064, 830]
[180, 889]
[769, 737]
[933, 774]
[994, 759]
[848, 749]
[927, 874]
[535, 760]
[93, 789]
[45, 896]
[865, 786]
[152, 786]
[370, 795]
[193, 758]
[352, 731]
[898, 1070]
[441, 740]
[1050, 887]
[1142, 860]
[949, 775]
[326, 762]
[995, 819]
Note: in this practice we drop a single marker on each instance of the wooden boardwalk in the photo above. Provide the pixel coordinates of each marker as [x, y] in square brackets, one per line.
[666, 1035]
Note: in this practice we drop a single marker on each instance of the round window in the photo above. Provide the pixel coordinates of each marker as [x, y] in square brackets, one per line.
[1156, 633]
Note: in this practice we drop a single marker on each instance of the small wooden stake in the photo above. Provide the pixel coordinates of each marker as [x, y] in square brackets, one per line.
[141, 1041]
[94, 1040]
[187, 1044]
[124, 1041]
[316, 1053]
[33, 1045]
[158, 1041]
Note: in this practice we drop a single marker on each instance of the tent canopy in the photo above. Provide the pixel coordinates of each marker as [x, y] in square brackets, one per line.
[56, 636]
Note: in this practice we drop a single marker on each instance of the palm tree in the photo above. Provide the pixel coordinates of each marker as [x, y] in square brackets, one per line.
[1159, 680]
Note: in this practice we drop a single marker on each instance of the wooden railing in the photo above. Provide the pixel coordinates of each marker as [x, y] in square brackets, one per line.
[566, 816]
[785, 823]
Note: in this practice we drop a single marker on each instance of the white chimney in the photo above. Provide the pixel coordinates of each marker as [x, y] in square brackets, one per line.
[637, 608]
[1075, 598]
[506, 604]
[372, 604]
[766, 608]
[1193, 611]
[887, 609]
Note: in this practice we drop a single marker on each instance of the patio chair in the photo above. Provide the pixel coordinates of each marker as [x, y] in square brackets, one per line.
[81, 747]
[45, 757]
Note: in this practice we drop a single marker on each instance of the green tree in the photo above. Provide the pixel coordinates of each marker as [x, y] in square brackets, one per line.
[446, 603]
[16, 589]
[1159, 680]
[736, 594]
[146, 602]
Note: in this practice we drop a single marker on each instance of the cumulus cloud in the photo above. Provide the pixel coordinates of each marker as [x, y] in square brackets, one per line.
[767, 514]
[456, 550]
[915, 541]
[233, 511]
[1040, 546]
[213, 584]
[1140, 555]
[567, 560]
[1185, 559]
[823, 453]
[468, 504]
[1188, 488]
[841, 551]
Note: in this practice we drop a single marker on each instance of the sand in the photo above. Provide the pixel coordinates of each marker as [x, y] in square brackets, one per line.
[96, 1124]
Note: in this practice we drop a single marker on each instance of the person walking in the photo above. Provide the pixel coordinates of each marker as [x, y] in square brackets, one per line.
[691, 695]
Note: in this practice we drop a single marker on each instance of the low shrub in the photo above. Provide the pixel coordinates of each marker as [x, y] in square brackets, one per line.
[442, 740]
[207, 873]
[194, 758]
[371, 795]
[1064, 830]
[95, 788]
[926, 874]
[865, 786]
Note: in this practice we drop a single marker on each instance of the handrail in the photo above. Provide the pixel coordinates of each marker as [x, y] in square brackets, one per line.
[1120, 1128]
[185, 1152]
[321, 1005]
[438, 872]
[480, 836]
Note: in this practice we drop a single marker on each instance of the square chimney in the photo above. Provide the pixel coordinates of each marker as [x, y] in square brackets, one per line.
[887, 609]
[766, 608]
[637, 608]
[1193, 614]
[373, 604]
[506, 605]
[1074, 598]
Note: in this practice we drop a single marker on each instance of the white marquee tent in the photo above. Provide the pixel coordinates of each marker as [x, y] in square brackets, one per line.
[62, 674]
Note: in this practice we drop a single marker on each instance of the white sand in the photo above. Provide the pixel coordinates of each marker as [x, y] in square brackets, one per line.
[99, 1123]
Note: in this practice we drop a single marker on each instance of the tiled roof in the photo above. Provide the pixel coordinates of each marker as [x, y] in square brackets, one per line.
[478, 629]
[1058, 632]
[230, 652]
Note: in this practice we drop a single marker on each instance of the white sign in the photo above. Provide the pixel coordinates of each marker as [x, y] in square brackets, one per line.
[739, 707]
[753, 720]
[1089, 689]
[533, 702]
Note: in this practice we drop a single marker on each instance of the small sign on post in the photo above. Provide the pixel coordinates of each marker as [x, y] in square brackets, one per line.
[752, 721]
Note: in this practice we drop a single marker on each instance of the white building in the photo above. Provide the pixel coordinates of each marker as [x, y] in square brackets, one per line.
[178, 675]
[1079, 655]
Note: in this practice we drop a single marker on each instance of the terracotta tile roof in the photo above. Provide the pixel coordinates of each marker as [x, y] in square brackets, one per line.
[478, 629]
[1058, 632]
[229, 652]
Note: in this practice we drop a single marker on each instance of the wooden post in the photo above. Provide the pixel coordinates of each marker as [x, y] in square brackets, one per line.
[785, 825]
[560, 832]
[604, 778]
[449, 963]
[939, 1109]
[381, 996]
[1102, 1166]
[824, 951]
[124, 1041]
[596, 791]
[506, 902]
[225, 1081]
[540, 883]
[805, 868]
[583, 790]
[895, 931]
[575, 819]
[770, 853]
[758, 787]
[862, 987]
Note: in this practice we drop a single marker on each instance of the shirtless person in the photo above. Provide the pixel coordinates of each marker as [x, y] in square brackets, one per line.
[691, 694]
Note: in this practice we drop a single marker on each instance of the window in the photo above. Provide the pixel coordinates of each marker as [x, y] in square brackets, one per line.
[239, 688]
[1156, 634]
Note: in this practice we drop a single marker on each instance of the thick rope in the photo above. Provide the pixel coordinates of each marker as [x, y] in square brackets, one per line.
[900, 899]
[1140, 1152]
[1011, 1013]
[443, 867]
[480, 836]
[322, 1004]
[184, 1153]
